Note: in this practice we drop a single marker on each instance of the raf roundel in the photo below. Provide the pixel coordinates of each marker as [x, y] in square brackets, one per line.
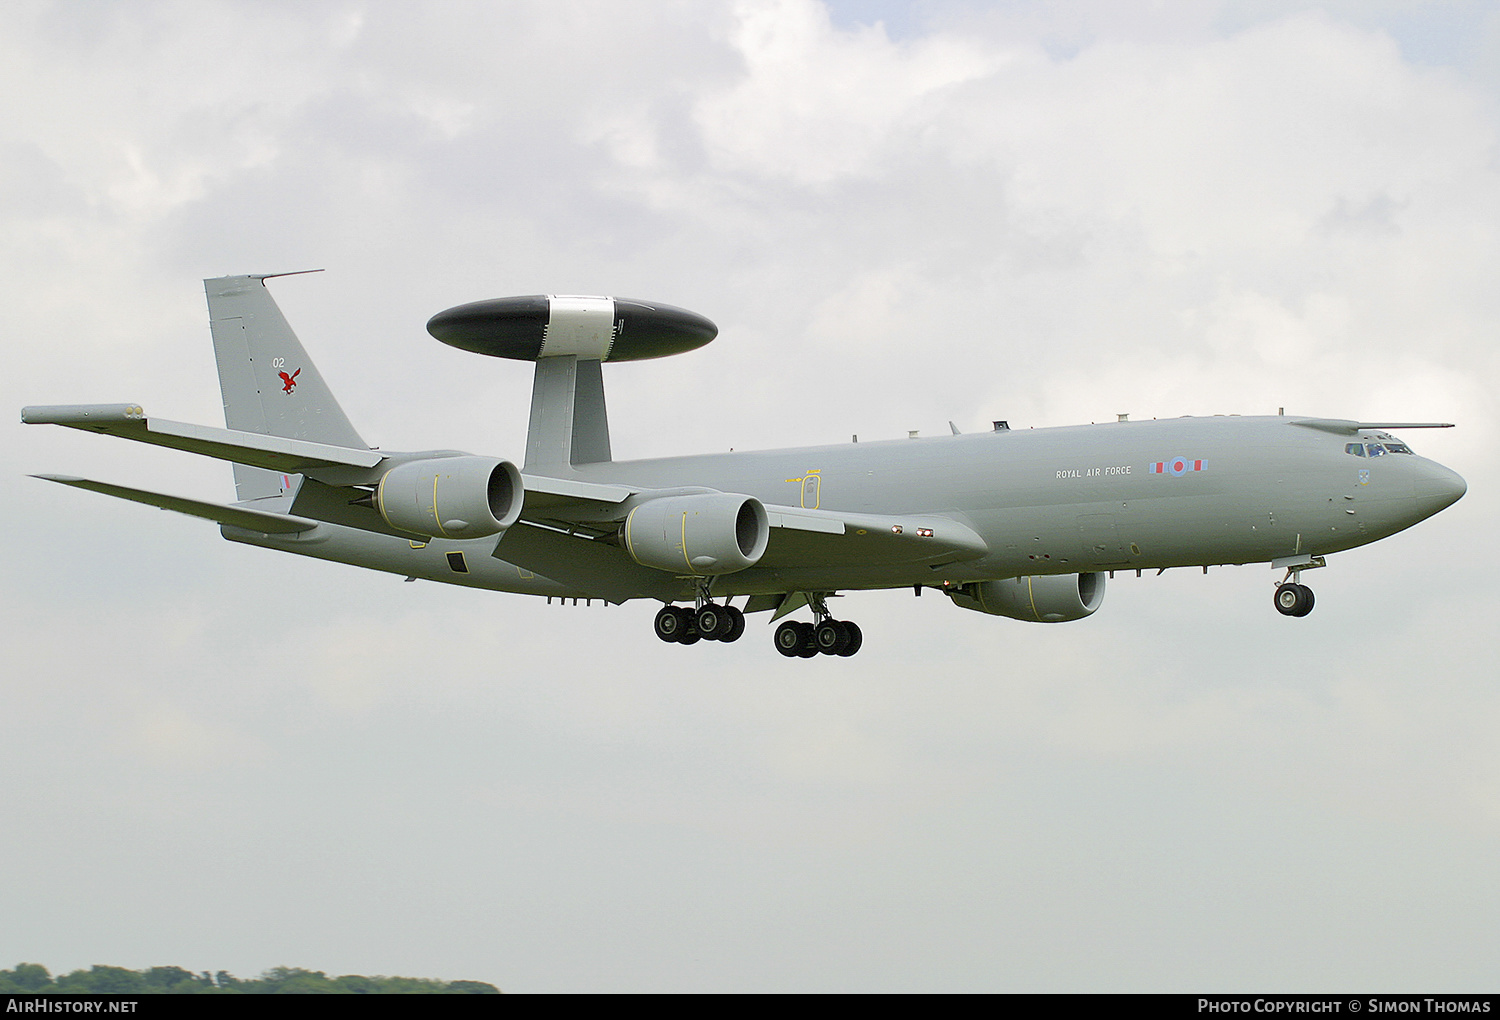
[589, 328]
[1177, 466]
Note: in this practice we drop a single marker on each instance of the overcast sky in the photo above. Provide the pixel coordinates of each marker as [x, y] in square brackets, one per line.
[219, 757]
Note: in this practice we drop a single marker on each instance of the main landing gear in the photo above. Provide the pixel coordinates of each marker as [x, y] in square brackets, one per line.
[794, 639]
[709, 622]
[828, 636]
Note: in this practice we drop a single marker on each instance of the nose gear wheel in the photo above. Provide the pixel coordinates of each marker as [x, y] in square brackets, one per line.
[1294, 599]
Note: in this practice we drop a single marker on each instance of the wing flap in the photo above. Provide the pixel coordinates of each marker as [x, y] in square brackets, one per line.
[240, 517]
[797, 519]
[806, 538]
[601, 570]
[546, 493]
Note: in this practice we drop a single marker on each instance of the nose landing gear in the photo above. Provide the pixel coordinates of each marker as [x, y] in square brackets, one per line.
[1293, 598]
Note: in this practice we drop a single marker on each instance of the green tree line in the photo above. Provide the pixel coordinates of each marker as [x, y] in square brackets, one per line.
[33, 978]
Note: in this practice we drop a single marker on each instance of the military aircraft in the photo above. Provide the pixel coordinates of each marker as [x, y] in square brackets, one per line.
[1026, 524]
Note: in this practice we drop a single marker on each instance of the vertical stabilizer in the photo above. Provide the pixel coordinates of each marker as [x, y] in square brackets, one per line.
[270, 385]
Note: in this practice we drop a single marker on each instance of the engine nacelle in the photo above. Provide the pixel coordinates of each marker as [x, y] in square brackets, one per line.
[451, 497]
[702, 535]
[1054, 598]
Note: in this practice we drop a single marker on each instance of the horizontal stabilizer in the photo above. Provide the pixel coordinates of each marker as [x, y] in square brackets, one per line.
[240, 517]
[291, 456]
[83, 416]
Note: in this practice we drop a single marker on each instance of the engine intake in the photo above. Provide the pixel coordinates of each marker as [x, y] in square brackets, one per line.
[451, 497]
[1054, 598]
[700, 535]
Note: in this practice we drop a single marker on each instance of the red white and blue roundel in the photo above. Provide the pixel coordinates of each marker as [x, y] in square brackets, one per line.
[1178, 466]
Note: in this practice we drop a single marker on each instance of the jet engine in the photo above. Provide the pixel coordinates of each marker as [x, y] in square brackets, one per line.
[1055, 598]
[699, 535]
[451, 497]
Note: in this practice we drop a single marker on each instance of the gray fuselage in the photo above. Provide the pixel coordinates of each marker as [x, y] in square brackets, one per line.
[1122, 495]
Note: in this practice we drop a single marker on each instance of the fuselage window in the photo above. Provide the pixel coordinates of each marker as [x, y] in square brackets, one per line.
[1355, 448]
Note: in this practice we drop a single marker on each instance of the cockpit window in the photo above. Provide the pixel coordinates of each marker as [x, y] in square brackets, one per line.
[1380, 449]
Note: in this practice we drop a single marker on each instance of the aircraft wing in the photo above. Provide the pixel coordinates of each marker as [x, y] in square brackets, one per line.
[799, 538]
[240, 517]
[596, 509]
[128, 421]
[545, 541]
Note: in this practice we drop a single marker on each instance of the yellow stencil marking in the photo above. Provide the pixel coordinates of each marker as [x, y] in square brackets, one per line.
[814, 479]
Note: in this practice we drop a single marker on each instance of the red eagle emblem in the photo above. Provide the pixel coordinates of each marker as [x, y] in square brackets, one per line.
[289, 382]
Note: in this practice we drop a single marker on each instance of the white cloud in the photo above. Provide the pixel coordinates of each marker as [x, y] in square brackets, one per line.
[816, 104]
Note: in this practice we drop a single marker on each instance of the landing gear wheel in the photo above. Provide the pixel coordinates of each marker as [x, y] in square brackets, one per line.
[1294, 599]
[1307, 608]
[809, 641]
[856, 638]
[671, 623]
[831, 637]
[712, 622]
[736, 624]
[789, 639]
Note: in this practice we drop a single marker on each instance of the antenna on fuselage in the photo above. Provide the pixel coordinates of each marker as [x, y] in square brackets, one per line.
[569, 337]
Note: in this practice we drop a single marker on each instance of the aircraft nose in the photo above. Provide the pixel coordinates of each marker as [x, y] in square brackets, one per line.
[1438, 488]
